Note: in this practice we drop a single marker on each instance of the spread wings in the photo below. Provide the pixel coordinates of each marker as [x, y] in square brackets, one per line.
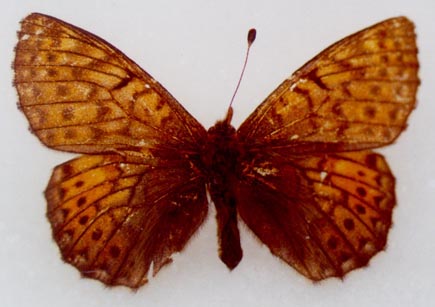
[305, 187]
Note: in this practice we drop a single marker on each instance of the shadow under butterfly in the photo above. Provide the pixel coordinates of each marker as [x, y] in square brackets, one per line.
[299, 171]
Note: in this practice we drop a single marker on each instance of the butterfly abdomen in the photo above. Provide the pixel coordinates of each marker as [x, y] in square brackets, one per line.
[220, 159]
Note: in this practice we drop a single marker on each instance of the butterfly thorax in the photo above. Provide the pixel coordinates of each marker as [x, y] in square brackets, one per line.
[221, 152]
[220, 159]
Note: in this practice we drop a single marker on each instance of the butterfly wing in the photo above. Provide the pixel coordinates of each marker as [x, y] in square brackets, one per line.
[305, 190]
[324, 215]
[116, 219]
[81, 94]
[357, 94]
[126, 209]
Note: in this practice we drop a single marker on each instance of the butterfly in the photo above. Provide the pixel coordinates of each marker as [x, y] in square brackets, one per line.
[299, 171]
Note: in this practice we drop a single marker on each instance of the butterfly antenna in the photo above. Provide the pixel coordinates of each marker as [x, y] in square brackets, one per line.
[251, 38]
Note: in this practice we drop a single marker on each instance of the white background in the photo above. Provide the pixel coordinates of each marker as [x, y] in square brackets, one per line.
[195, 49]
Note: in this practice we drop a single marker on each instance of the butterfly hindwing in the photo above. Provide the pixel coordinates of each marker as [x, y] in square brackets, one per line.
[81, 94]
[114, 218]
[323, 214]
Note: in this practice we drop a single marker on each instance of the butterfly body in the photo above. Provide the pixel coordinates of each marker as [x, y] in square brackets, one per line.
[221, 160]
[299, 172]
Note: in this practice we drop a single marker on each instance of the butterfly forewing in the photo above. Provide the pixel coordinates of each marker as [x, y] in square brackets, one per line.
[81, 94]
[357, 94]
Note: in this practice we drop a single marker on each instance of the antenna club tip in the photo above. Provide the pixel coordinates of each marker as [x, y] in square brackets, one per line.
[251, 36]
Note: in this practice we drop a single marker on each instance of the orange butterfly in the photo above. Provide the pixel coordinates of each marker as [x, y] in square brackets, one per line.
[299, 171]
